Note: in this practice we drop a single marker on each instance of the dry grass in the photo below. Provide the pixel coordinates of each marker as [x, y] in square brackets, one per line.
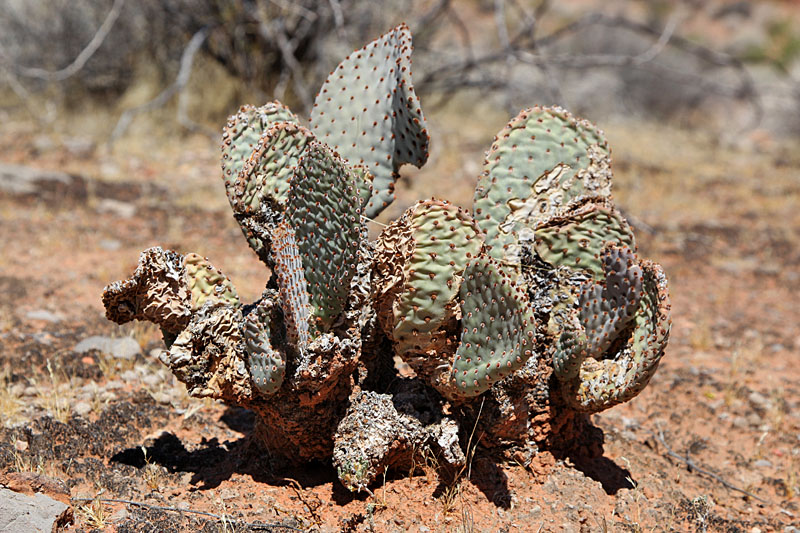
[10, 403]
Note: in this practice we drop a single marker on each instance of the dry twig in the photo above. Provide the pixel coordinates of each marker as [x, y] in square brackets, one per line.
[219, 518]
[693, 466]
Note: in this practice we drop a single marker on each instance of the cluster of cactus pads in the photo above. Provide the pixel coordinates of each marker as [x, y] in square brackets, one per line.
[518, 318]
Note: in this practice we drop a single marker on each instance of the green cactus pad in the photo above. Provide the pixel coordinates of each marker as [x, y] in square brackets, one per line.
[604, 310]
[269, 168]
[444, 238]
[324, 211]
[292, 285]
[364, 184]
[543, 159]
[157, 292]
[241, 135]
[498, 328]
[267, 367]
[576, 238]
[617, 379]
[368, 112]
[208, 283]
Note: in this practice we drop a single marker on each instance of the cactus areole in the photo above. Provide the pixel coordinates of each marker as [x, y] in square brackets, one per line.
[517, 319]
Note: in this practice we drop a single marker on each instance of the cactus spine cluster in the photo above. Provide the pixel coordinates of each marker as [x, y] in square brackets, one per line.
[540, 278]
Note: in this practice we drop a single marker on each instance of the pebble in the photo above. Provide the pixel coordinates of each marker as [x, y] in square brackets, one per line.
[120, 347]
[151, 380]
[116, 207]
[44, 314]
[110, 245]
[82, 408]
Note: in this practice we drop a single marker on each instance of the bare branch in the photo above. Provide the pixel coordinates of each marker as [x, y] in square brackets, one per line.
[80, 61]
[187, 58]
[216, 517]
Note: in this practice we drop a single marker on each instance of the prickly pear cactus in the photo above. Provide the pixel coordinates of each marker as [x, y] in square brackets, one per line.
[267, 365]
[498, 328]
[207, 283]
[420, 260]
[515, 321]
[368, 112]
[324, 212]
[543, 159]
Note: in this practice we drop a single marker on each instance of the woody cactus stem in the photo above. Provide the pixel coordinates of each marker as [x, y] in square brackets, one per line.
[514, 321]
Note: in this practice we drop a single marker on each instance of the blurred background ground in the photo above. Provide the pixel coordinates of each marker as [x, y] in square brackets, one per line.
[109, 119]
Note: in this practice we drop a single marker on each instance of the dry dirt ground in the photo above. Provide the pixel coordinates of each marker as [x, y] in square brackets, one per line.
[713, 444]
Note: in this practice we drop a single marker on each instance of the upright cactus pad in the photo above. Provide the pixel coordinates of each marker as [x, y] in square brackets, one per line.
[292, 285]
[623, 375]
[576, 238]
[248, 172]
[543, 159]
[498, 328]
[268, 170]
[441, 240]
[241, 135]
[208, 283]
[604, 309]
[324, 210]
[267, 366]
[368, 112]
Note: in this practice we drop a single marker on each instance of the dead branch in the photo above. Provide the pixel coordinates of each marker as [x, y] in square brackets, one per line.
[486, 71]
[80, 61]
[185, 70]
[693, 466]
[216, 517]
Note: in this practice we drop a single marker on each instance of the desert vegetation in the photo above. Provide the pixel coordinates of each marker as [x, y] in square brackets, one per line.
[333, 386]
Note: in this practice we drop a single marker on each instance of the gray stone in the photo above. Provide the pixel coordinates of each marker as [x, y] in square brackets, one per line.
[30, 514]
[110, 245]
[81, 147]
[82, 408]
[121, 348]
[116, 207]
[48, 185]
[44, 314]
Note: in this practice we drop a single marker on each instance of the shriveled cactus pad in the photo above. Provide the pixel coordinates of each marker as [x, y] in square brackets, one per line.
[500, 327]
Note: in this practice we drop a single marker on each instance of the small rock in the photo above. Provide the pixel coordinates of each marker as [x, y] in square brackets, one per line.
[121, 348]
[43, 314]
[31, 514]
[116, 207]
[129, 375]
[42, 143]
[762, 463]
[151, 380]
[80, 147]
[110, 245]
[46, 185]
[82, 408]
[758, 400]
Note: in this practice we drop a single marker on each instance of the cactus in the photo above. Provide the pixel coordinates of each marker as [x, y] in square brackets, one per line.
[420, 259]
[543, 159]
[324, 212]
[369, 113]
[576, 238]
[208, 284]
[517, 320]
[623, 374]
[267, 365]
[498, 328]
